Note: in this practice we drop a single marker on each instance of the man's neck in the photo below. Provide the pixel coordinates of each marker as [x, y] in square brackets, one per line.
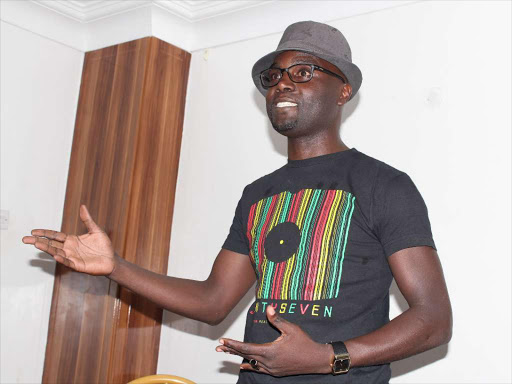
[307, 147]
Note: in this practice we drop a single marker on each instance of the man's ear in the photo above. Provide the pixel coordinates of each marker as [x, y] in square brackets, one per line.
[345, 94]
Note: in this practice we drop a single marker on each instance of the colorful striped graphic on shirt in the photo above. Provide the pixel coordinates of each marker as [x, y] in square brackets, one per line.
[314, 271]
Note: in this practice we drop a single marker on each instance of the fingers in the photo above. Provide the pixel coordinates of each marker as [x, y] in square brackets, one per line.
[51, 242]
[54, 248]
[231, 352]
[88, 221]
[243, 349]
[53, 235]
[259, 361]
[49, 247]
[29, 239]
[64, 260]
[247, 356]
[41, 240]
[259, 368]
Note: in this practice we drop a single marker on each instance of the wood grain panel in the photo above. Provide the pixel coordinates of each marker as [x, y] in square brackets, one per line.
[159, 143]
[123, 166]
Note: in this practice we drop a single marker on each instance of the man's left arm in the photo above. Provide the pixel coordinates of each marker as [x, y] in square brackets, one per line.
[425, 325]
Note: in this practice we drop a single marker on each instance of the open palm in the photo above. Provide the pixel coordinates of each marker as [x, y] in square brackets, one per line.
[90, 253]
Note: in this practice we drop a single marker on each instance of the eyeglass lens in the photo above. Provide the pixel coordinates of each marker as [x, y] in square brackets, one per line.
[299, 73]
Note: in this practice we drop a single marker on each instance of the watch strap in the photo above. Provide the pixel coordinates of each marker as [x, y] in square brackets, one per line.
[339, 348]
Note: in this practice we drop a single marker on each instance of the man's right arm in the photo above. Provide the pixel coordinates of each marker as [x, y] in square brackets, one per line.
[209, 301]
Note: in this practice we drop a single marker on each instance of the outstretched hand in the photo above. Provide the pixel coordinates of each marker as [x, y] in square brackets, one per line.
[90, 253]
[292, 353]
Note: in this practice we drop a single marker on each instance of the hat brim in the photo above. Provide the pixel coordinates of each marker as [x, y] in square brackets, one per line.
[351, 71]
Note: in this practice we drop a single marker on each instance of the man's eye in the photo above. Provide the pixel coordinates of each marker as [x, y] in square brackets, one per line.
[304, 73]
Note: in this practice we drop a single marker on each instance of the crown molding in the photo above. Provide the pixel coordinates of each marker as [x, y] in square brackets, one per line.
[87, 25]
[194, 11]
[88, 11]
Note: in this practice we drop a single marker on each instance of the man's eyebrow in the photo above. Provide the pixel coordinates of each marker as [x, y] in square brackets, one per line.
[274, 65]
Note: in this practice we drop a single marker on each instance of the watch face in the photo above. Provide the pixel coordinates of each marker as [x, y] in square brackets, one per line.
[341, 365]
[345, 365]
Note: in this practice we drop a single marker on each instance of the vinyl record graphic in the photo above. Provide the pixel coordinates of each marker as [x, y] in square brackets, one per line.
[297, 243]
[282, 242]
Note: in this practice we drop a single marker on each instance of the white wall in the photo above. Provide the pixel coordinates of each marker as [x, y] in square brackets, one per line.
[40, 82]
[436, 93]
[435, 102]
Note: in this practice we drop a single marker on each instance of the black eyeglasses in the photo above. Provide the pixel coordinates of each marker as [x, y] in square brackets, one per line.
[298, 73]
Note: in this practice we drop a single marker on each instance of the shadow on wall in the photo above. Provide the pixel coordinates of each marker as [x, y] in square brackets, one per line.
[45, 262]
[197, 328]
[278, 141]
[413, 363]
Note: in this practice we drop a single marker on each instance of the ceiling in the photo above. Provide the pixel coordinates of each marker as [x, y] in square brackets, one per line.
[86, 25]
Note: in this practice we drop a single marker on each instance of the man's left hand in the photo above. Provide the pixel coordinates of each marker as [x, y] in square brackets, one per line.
[292, 353]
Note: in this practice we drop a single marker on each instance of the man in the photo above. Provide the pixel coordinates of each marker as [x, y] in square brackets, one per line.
[323, 236]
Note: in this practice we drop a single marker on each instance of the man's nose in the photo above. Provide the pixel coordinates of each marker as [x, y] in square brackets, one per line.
[286, 84]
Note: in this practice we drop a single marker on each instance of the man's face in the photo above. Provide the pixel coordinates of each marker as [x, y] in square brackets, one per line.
[318, 101]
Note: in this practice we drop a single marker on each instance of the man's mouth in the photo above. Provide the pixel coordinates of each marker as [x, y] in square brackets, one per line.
[283, 104]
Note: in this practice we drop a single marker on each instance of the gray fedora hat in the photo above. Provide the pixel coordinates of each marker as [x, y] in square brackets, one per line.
[317, 39]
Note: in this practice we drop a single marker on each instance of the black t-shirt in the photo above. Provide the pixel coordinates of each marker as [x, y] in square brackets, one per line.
[318, 232]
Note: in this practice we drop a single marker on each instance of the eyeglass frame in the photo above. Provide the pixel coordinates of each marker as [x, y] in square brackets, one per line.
[313, 67]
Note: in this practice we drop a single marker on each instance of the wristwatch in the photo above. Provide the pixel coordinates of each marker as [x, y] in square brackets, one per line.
[341, 362]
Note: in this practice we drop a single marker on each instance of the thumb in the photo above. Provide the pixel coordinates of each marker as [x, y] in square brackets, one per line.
[87, 219]
[284, 326]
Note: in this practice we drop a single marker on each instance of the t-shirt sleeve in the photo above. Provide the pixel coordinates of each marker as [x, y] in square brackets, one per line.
[400, 215]
[236, 240]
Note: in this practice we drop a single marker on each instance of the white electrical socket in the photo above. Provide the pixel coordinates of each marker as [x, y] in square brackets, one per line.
[4, 219]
